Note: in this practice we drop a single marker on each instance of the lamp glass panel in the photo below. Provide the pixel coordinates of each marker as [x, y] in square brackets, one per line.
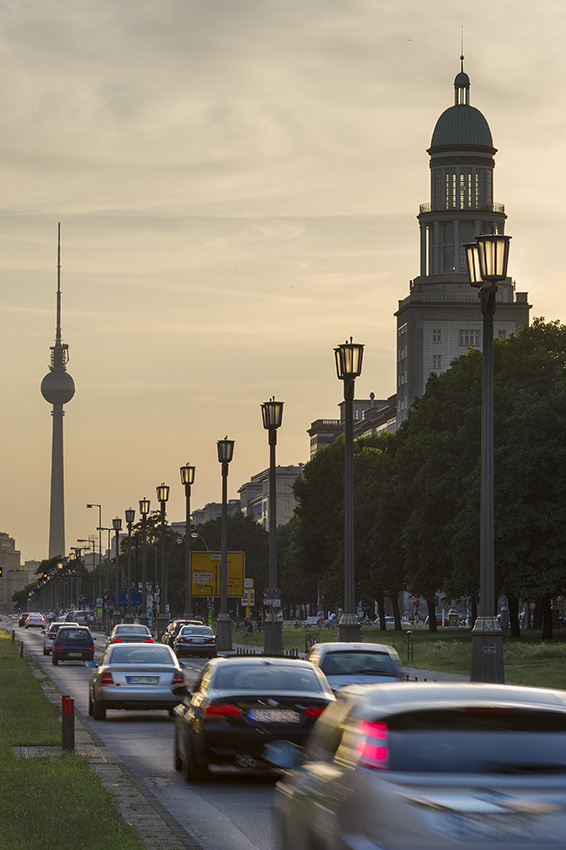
[349, 360]
[130, 516]
[187, 474]
[272, 413]
[162, 493]
[117, 524]
[225, 450]
[472, 256]
[144, 507]
[493, 252]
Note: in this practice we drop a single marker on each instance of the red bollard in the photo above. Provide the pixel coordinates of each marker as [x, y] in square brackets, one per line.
[68, 723]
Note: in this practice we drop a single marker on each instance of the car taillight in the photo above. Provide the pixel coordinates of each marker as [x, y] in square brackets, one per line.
[210, 640]
[178, 679]
[372, 746]
[106, 679]
[148, 640]
[221, 709]
[314, 710]
[116, 640]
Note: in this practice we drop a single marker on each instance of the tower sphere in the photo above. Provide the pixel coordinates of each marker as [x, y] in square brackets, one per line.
[57, 387]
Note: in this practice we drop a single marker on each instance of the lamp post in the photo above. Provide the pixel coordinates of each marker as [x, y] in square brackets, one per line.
[195, 535]
[99, 529]
[162, 496]
[93, 545]
[349, 357]
[187, 478]
[272, 415]
[130, 516]
[487, 266]
[144, 510]
[76, 558]
[225, 450]
[117, 526]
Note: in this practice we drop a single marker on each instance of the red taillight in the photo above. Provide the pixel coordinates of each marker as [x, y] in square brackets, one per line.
[116, 640]
[106, 679]
[210, 640]
[148, 640]
[372, 746]
[314, 710]
[221, 709]
[178, 679]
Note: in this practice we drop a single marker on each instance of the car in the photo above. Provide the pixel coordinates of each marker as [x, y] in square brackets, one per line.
[50, 632]
[135, 676]
[240, 703]
[389, 622]
[23, 617]
[129, 633]
[173, 629]
[195, 640]
[72, 643]
[35, 621]
[443, 765]
[356, 663]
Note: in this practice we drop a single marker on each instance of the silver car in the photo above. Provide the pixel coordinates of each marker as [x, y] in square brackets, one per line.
[135, 676]
[356, 663]
[129, 633]
[404, 766]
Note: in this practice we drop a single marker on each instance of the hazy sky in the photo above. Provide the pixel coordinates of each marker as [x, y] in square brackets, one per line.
[237, 183]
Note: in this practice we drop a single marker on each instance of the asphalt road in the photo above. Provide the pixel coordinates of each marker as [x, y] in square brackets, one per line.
[230, 810]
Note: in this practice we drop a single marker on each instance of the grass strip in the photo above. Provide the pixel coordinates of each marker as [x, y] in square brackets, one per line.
[55, 801]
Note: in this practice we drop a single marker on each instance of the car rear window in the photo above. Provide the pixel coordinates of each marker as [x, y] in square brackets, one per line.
[196, 630]
[475, 739]
[140, 654]
[268, 678]
[132, 630]
[350, 663]
[74, 634]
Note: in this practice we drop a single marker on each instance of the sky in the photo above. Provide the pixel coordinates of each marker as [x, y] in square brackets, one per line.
[237, 183]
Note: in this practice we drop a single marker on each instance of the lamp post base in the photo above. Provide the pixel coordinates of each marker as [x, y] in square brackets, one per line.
[116, 618]
[162, 623]
[487, 651]
[273, 637]
[224, 633]
[349, 629]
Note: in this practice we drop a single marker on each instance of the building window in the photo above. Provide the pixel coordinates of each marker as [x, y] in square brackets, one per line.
[437, 361]
[502, 333]
[469, 338]
[437, 335]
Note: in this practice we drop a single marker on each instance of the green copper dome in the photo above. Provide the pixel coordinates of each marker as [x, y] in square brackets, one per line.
[461, 125]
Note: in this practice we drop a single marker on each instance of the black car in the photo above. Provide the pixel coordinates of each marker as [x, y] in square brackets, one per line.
[240, 704]
[72, 643]
[174, 628]
[195, 640]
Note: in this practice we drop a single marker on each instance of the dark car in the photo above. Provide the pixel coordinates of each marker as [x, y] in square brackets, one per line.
[174, 628]
[239, 704]
[195, 640]
[23, 618]
[72, 643]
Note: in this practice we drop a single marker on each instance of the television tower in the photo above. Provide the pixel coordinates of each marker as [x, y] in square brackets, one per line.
[57, 388]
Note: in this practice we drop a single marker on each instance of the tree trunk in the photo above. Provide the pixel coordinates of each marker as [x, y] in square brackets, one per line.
[430, 604]
[396, 612]
[474, 610]
[546, 605]
[537, 615]
[513, 603]
[381, 611]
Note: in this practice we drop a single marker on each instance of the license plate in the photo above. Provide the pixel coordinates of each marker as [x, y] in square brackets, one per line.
[519, 825]
[273, 715]
[75, 654]
[142, 680]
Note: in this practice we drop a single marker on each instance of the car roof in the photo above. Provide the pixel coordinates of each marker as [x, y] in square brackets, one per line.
[391, 698]
[259, 661]
[353, 647]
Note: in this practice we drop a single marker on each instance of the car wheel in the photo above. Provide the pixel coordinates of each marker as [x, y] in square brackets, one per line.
[193, 771]
[98, 711]
[55, 661]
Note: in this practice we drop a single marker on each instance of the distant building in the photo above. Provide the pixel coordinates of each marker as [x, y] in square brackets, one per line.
[254, 495]
[370, 417]
[14, 576]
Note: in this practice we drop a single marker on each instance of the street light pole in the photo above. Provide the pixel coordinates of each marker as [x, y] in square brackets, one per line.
[117, 526]
[144, 510]
[487, 266]
[187, 479]
[130, 516]
[225, 450]
[348, 367]
[272, 415]
[99, 529]
[162, 496]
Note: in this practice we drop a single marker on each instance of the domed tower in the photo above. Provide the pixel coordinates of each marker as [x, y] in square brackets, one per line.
[440, 319]
[57, 388]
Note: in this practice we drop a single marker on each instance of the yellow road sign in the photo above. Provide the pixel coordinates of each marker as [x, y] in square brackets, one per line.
[205, 573]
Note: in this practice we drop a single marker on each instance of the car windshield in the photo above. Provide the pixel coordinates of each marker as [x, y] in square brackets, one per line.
[351, 663]
[474, 739]
[240, 677]
[141, 654]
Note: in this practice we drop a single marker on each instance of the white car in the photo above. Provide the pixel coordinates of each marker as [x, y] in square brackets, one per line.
[428, 765]
[35, 621]
[356, 663]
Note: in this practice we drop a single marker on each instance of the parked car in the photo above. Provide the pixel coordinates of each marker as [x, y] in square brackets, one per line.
[195, 640]
[135, 676]
[50, 633]
[356, 663]
[72, 643]
[240, 703]
[130, 633]
[443, 765]
[35, 621]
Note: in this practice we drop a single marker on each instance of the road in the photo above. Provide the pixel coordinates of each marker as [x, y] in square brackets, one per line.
[230, 810]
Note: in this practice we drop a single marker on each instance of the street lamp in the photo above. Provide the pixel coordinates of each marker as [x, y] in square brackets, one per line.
[225, 450]
[487, 266]
[194, 534]
[349, 357]
[187, 478]
[162, 496]
[99, 529]
[272, 415]
[91, 543]
[117, 526]
[130, 516]
[144, 510]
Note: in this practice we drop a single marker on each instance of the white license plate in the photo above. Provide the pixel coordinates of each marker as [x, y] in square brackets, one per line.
[273, 715]
[142, 680]
[74, 654]
[519, 825]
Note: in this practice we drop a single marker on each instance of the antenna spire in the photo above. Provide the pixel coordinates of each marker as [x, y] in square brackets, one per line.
[58, 328]
[462, 49]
